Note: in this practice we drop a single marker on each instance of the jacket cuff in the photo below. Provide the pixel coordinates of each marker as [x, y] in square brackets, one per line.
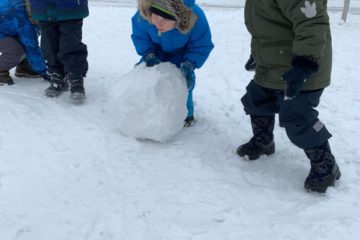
[305, 64]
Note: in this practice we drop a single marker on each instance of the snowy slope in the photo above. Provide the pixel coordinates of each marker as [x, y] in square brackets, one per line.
[66, 174]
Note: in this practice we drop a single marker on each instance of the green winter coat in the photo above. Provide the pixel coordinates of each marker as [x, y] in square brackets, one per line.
[282, 29]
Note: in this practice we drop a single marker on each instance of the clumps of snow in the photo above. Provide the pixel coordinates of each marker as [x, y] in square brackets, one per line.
[149, 102]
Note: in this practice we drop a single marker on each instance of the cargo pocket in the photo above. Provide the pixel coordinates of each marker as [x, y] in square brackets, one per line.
[277, 59]
[277, 55]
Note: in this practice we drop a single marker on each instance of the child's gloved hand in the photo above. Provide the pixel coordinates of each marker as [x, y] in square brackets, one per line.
[295, 77]
[151, 60]
[44, 74]
[187, 70]
[250, 65]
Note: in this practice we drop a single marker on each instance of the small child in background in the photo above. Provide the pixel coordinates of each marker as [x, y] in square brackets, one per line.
[176, 31]
[19, 44]
[61, 41]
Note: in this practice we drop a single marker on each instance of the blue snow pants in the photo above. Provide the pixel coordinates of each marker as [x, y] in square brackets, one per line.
[298, 115]
[189, 102]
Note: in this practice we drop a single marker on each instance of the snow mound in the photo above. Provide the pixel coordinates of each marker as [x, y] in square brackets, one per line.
[149, 103]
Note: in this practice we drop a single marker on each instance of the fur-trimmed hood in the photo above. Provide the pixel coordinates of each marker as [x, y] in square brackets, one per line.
[182, 9]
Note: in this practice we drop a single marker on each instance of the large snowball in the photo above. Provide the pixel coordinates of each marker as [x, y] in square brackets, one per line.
[150, 102]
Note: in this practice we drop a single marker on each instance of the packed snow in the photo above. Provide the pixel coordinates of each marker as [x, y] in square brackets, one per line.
[67, 173]
[149, 103]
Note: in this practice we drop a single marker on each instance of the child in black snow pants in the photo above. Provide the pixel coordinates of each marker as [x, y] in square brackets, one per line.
[61, 29]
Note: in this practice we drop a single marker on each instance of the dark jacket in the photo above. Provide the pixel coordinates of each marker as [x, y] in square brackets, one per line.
[58, 10]
[14, 22]
[283, 29]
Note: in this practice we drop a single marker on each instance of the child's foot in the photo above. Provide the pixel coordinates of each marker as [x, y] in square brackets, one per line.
[77, 90]
[24, 70]
[5, 78]
[189, 121]
[56, 89]
[58, 85]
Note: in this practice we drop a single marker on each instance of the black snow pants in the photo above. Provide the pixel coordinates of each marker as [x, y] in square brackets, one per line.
[298, 115]
[61, 43]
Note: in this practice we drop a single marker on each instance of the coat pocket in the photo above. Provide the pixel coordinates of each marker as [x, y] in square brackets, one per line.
[277, 54]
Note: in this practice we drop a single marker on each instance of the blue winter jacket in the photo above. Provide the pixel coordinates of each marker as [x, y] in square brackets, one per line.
[58, 10]
[14, 22]
[174, 46]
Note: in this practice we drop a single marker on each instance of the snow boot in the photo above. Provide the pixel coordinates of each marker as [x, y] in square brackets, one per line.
[189, 121]
[24, 70]
[5, 78]
[324, 169]
[77, 89]
[58, 85]
[262, 142]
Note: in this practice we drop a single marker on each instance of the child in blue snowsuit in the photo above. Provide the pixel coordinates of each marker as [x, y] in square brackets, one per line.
[61, 24]
[176, 31]
[18, 37]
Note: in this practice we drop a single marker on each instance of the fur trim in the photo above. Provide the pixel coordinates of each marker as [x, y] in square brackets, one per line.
[185, 17]
[28, 10]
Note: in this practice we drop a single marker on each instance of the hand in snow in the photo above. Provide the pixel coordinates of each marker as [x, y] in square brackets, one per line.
[187, 70]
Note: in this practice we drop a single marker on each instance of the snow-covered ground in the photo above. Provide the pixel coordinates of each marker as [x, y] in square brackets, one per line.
[66, 174]
[332, 4]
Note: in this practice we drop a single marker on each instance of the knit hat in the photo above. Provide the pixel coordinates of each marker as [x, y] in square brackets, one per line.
[159, 8]
[170, 9]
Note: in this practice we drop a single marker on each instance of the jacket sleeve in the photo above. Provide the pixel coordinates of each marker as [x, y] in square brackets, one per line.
[140, 36]
[200, 44]
[29, 40]
[311, 26]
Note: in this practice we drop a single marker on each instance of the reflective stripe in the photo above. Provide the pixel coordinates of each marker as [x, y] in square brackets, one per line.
[318, 126]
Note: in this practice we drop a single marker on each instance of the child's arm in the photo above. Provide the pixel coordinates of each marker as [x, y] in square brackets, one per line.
[200, 45]
[28, 38]
[140, 36]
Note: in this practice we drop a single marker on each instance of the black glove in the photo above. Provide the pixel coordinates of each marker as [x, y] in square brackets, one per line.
[250, 65]
[151, 60]
[295, 77]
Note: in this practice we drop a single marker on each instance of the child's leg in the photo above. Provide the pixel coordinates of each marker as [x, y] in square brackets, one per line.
[189, 120]
[190, 103]
[11, 52]
[72, 52]
[50, 46]
[50, 35]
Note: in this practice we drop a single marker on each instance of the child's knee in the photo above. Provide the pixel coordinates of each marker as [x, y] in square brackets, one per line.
[11, 53]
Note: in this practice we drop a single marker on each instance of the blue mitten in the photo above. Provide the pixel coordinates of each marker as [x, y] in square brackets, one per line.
[187, 70]
[295, 77]
[151, 60]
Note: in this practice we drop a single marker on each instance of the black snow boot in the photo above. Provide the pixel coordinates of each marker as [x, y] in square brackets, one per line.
[189, 121]
[24, 70]
[324, 169]
[5, 78]
[58, 85]
[262, 142]
[77, 89]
